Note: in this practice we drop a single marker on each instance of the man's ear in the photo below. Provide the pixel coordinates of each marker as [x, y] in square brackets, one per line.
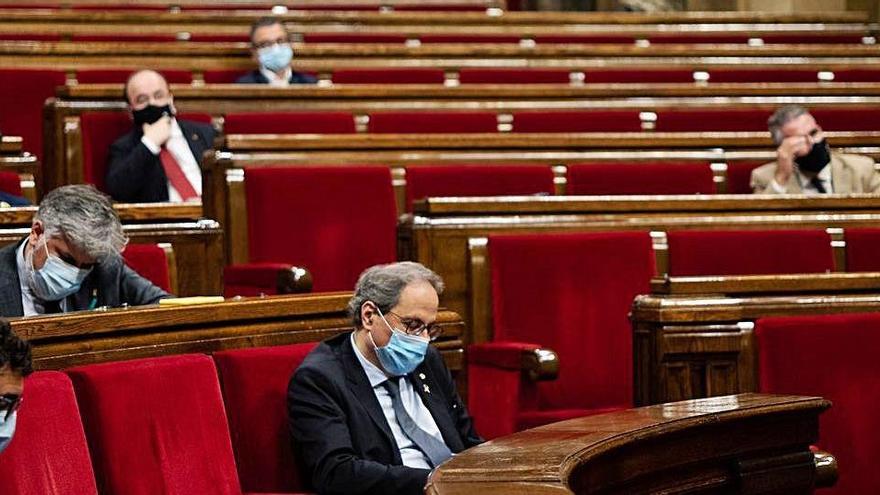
[37, 229]
[368, 312]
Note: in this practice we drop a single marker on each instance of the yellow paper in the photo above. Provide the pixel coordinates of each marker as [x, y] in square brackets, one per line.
[186, 301]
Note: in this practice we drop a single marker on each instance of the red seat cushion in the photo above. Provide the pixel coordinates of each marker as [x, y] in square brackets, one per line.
[749, 252]
[104, 76]
[289, 123]
[150, 262]
[847, 119]
[476, 180]
[832, 356]
[319, 218]
[513, 76]
[640, 178]
[21, 101]
[814, 37]
[468, 38]
[99, 131]
[862, 246]
[739, 175]
[762, 75]
[222, 76]
[157, 426]
[255, 391]
[710, 119]
[638, 75]
[690, 38]
[10, 183]
[577, 121]
[353, 38]
[48, 454]
[220, 38]
[388, 76]
[856, 75]
[432, 122]
[585, 38]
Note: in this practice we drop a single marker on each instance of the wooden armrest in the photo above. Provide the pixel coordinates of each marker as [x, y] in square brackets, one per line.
[294, 280]
[752, 284]
[535, 362]
[540, 364]
[826, 469]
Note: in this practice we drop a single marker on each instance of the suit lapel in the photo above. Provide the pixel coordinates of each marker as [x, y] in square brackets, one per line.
[431, 393]
[841, 177]
[193, 140]
[10, 285]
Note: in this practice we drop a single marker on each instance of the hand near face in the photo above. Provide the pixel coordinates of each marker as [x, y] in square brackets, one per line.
[158, 132]
[791, 148]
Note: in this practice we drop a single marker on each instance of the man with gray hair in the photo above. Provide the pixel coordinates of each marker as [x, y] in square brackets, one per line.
[70, 259]
[803, 157]
[375, 410]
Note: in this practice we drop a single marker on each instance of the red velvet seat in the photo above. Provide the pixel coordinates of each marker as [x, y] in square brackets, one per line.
[476, 180]
[104, 76]
[353, 38]
[468, 38]
[816, 37]
[749, 252]
[432, 122]
[612, 178]
[289, 123]
[388, 76]
[157, 426]
[835, 357]
[577, 121]
[222, 76]
[48, 454]
[10, 183]
[762, 75]
[513, 76]
[585, 39]
[151, 262]
[638, 75]
[856, 75]
[334, 221]
[254, 385]
[570, 293]
[691, 38]
[847, 119]
[739, 175]
[21, 101]
[219, 38]
[862, 249]
[710, 119]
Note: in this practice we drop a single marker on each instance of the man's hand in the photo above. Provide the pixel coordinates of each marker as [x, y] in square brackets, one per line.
[791, 148]
[158, 132]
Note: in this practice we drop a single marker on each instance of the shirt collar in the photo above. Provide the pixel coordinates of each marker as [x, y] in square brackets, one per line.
[176, 131]
[824, 175]
[374, 374]
[22, 270]
[274, 79]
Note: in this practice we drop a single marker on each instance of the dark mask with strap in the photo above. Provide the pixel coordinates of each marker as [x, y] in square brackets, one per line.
[150, 114]
[816, 159]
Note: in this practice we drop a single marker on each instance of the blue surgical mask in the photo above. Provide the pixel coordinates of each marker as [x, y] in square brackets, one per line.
[57, 279]
[276, 57]
[402, 353]
[7, 429]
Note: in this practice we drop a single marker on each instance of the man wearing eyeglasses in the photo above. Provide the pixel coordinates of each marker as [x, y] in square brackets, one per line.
[15, 364]
[271, 50]
[375, 410]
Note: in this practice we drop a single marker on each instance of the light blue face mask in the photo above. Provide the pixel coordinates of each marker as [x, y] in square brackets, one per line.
[276, 57]
[56, 279]
[402, 353]
[7, 429]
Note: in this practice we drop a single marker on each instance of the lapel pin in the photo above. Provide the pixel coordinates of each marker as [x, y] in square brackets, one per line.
[195, 137]
[427, 389]
[422, 376]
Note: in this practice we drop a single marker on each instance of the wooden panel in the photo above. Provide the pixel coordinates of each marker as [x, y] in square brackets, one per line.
[10, 145]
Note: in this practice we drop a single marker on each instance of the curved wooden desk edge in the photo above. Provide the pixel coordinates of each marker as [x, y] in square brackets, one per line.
[737, 444]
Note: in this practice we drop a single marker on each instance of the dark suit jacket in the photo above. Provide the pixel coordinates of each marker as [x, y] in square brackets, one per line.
[135, 175]
[339, 429]
[13, 200]
[111, 281]
[256, 77]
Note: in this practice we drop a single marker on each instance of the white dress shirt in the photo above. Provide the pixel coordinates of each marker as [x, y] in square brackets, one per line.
[273, 78]
[179, 149]
[807, 187]
[29, 304]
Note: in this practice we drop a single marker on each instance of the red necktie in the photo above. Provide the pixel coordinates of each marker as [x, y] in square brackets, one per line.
[176, 176]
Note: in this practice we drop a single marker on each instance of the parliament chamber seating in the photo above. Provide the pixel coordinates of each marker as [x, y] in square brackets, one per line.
[577, 121]
[289, 123]
[611, 178]
[432, 122]
[120, 76]
[388, 76]
[861, 249]
[154, 262]
[10, 183]
[24, 91]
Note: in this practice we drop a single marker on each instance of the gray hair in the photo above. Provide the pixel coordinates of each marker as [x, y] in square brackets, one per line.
[782, 116]
[382, 284]
[84, 217]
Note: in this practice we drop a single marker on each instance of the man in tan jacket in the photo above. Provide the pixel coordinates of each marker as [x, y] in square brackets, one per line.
[806, 165]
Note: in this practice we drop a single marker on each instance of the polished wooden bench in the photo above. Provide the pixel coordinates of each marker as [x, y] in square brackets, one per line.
[14, 159]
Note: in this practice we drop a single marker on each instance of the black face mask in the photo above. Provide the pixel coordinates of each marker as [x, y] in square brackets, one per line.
[150, 114]
[816, 159]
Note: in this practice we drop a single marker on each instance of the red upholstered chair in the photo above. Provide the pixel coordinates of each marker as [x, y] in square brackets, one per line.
[612, 178]
[577, 121]
[513, 76]
[476, 180]
[468, 38]
[570, 293]
[862, 246]
[222, 76]
[832, 356]
[432, 122]
[157, 426]
[99, 130]
[710, 119]
[289, 123]
[21, 101]
[104, 76]
[739, 175]
[749, 252]
[388, 76]
[319, 218]
[762, 75]
[10, 183]
[48, 454]
[154, 262]
[689, 38]
[220, 38]
[856, 75]
[585, 38]
[353, 38]
[254, 385]
[440, 7]
[638, 75]
[847, 119]
[815, 37]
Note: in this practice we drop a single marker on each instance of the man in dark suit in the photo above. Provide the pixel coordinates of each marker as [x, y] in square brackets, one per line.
[271, 51]
[70, 260]
[158, 160]
[375, 410]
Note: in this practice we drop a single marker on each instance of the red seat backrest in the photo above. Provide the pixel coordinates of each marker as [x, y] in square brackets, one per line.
[157, 425]
[862, 246]
[476, 180]
[106, 76]
[739, 175]
[468, 38]
[762, 75]
[749, 252]
[353, 38]
[835, 357]
[585, 38]
[432, 122]
[710, 119]
[220, 38]
[814, 37]
[847, 119]
[388, 76]
[577, 121]
[572, 293]
[289, 123]
[48, 454]
[222, 76]
[150, 262]
[254, 385]
[319, 218]
[99, 131]
[688, 38]
[856, 75]
[611, 178]
[638, 75]
[10, 183]
[513, 76]
[21, 100]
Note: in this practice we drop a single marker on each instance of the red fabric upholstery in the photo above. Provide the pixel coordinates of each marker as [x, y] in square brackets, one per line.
[749, 252]
[333, 221]
[99, 130]
[856, 75]
[640, 178]
[585, 38]
[577, 121]
[468, 38]
[48, 454]
[690, 38]
[739, 176]
[221, 76]
[476, 180]
[847, 119]
[638, 75]
[513, 76]
[157, 426]
[762, 75]
[388, 76]
[816, 37]
[289, 123]
[570, 293]
[92, 76]
[835, 357]
[151, 262]
[861, 250]
[254, 385]
[10, 183]
[252, 279]
[219, 38]
[353, 38]
[21, 101]
[710, 119]
[432, 122]
[445, 7]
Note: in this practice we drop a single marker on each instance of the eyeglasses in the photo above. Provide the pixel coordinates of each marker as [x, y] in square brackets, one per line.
[268, 43]
[9, 403]
[415, 326]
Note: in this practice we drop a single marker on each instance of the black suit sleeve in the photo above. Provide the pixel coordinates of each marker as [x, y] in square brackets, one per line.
[322, 437]
[131, 167]
[138, 291]
[460, 416]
